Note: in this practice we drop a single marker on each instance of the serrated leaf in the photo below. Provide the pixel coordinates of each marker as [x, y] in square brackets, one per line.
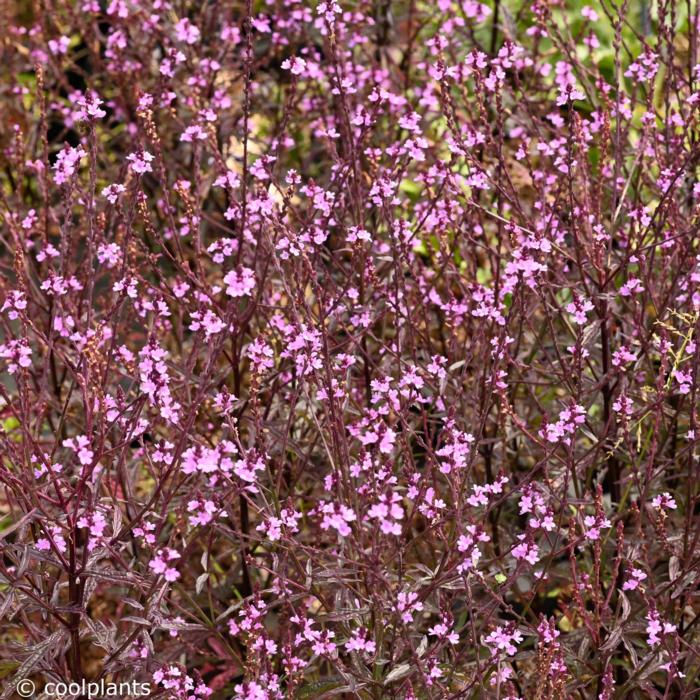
[24, 563]
[116, 520]
[114, 576]
[7, 602]
[201, 580]
[626, 607]
[400, 671]
[136, 620]
[613, 640]
[318, 688]
[33, 660]
[181, 626]
[674, 567]
[24, 521]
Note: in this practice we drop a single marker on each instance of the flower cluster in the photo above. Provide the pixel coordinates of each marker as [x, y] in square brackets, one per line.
[350, 348]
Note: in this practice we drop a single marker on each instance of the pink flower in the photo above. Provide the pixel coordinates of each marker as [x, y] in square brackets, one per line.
[480, 494]
[79, 445]
[295, 65]
[407, 605]
[186, 31]
[44, 543]
[504, 638]
[15, 303]
[593, 524]
[160, 564]
[622, 356]
[67, 163]
[90, 108]
[632, 286]
[684, 379]
[180, 685]
[202, 511]
[388, 512]
[112, 192]
[442, 630]
[468, 543]
[155, 381]
[664, 501]
[360, 642]
[140, 162]
[579, 307]
[240, 283]
[337, 517]
[17, 353]
[623, 405]
[59, 47]
[261, 355]
[569, 420]
[273, 527]
[644, 69]
[97, 524]
[636, 576]
[526, 550]
[208, 321]
[193, 133]
[656, 629]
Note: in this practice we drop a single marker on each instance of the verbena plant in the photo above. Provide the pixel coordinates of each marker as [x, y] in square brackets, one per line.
[350, 350]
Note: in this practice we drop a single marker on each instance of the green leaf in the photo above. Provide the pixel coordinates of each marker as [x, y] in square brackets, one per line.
[10, 424]
[316, 689]
[8, 667]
